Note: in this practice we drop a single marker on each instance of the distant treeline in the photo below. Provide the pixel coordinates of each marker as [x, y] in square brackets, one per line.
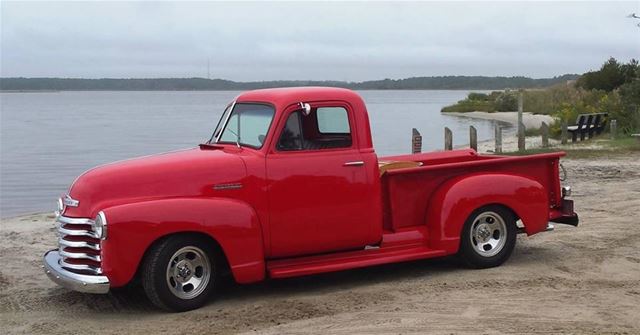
[202, 84]
[613, 89]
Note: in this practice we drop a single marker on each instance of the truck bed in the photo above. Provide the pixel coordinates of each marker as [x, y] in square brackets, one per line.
[407, 190]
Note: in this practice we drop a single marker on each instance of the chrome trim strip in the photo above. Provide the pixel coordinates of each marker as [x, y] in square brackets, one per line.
[70, 280]
[70, 232]
[356, 163]
[224, 126]
[79, 244]
[68, 220]
[60, 207]
[82, 267]
[69, 201]
[230, 186]
[78, 255]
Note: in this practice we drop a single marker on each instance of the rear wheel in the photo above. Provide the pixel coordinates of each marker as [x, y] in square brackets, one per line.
[179, 273]
[488, 237]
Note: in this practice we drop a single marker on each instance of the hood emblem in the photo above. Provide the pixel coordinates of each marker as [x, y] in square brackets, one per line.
[69, 201]
[229, 186]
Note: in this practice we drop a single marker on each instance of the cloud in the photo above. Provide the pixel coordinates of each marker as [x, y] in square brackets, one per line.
[342, 41]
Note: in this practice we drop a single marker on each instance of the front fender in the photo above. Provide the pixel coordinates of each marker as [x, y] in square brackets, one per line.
[132, 228]
[456, 199]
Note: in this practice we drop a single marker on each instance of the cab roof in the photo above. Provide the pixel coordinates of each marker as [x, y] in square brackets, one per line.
[285, 96]
[281, 98]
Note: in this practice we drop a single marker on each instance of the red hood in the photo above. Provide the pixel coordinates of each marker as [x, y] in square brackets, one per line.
[186, 173]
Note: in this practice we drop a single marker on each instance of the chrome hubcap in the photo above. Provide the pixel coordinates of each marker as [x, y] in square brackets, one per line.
[188, 272]
[488, 234]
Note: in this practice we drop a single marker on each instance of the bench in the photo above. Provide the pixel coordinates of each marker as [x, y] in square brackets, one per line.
[588, 124]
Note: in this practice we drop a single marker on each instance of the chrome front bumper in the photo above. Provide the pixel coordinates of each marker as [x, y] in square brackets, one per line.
[71, 280]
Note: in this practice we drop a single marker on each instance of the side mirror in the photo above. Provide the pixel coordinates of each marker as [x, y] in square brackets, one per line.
[306, 108]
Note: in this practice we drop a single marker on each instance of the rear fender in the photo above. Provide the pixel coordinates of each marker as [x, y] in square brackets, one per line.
[133, 228]
[456, 199]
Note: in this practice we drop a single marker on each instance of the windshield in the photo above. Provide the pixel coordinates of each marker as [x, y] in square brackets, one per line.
[247, 125]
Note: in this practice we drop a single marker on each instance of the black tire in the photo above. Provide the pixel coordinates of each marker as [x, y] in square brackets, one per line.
[155, 277]
[470, 245]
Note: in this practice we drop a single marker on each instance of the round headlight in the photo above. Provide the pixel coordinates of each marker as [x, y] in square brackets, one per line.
[100, 225]
[59, 207]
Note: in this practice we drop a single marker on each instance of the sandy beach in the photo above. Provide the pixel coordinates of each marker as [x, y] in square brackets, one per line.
[509, 136]
[529, 120]
[571, 280]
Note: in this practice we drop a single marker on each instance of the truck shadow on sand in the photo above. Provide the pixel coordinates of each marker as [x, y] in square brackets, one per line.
[132, 299]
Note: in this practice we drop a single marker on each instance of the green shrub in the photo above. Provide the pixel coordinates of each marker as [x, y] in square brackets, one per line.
[507, 102]
[465, 106]
[495, 101]
[614, 89]
[611, 75]
[627, 109]
[477, 96]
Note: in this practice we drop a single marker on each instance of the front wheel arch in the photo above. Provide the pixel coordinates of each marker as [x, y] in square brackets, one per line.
[222, 261]
[155, 275]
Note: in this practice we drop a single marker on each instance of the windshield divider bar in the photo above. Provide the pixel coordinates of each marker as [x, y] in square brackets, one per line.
[224, 126]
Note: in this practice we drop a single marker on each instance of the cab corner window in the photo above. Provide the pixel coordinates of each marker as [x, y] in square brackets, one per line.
[323, 128]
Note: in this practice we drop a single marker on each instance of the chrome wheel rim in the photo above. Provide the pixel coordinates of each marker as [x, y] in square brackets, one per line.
[488, 234]
[188, 272]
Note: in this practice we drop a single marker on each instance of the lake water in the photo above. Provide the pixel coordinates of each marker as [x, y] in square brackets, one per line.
[48, 139]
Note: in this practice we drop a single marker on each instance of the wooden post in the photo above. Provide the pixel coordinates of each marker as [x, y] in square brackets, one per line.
[498, 137]
[521, 138]
[416, 141]
[614, 129]
[520, 109]
[448, 139]
[564, 133]
[473, 138]
[544, 129]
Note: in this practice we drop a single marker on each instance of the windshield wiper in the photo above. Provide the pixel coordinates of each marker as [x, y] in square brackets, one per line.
[237, 137]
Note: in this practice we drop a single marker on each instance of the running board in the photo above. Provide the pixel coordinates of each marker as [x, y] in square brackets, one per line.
[302, 266]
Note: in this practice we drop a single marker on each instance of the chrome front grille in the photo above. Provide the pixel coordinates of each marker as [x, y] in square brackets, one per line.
[79, 245]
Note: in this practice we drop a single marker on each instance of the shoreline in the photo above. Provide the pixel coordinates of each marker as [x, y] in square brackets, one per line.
[529, 120]
[509, 134]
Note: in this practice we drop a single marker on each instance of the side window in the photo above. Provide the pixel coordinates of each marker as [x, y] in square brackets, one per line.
[291, 137]
[324, 128]
[333, 120]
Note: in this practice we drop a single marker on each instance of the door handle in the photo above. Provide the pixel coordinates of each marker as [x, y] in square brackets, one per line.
[354, 163]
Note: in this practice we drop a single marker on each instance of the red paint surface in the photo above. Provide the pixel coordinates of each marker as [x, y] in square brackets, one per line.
[300, 213]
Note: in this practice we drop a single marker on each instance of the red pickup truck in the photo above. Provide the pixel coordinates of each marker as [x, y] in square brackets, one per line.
[289, 185]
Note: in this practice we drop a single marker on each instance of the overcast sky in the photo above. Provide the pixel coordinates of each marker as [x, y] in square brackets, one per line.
[316, 41]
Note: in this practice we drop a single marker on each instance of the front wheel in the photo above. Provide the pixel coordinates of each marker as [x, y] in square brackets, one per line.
[179, 273]
[488, 237]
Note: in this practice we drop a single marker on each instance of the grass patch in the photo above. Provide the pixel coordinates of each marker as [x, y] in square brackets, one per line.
[533, 132]
[595, 148]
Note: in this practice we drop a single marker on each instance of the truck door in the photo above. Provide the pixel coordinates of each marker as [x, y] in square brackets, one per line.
[319, 194]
